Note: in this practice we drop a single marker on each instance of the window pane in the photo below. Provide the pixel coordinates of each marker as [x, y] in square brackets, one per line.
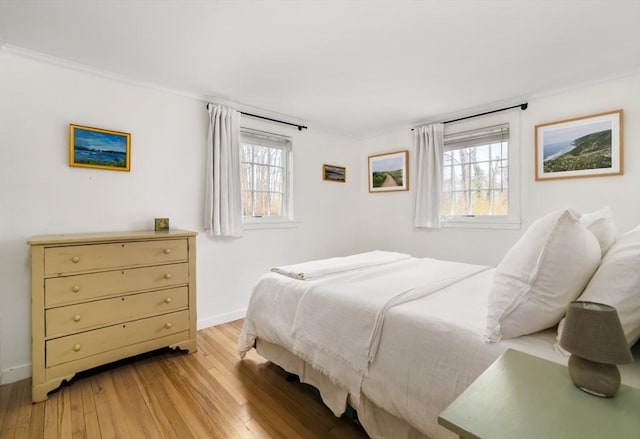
[275, 205]
[460, 177]
[261, 200]
[261, 154]
[496, 151]
[246, 177]
[480, 175]
[246, 153]
[499, 175]
[480, 202]
[500, 203]
[275, 183]
[448, 158]
[482, 153]
[276, 157]
[447, 182]
[460, 156]
[460, 203]
[247, 203]
[446, 203]
[261, 178]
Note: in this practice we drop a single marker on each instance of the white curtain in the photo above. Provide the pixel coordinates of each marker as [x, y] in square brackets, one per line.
[223, 202]
[428, 142]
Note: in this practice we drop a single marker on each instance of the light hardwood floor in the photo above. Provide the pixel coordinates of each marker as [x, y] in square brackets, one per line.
[209, 394]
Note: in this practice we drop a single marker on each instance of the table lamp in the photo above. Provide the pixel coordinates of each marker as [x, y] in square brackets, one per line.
[594, 336]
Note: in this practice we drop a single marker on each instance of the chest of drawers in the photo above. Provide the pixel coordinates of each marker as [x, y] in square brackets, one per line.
[100, 298]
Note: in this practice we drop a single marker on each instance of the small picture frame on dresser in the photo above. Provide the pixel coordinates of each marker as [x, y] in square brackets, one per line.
[162, 224]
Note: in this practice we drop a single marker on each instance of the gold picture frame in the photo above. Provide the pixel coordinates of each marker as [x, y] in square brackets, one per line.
[99, 148]
[389, 172]
[334, 173]
[587, 146]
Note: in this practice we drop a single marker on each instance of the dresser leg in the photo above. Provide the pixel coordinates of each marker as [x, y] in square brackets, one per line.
[190, 346]
[39, 391]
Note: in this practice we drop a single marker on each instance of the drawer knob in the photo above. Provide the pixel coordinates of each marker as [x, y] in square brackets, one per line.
[75, 259]
[167, 276]
[76, 318]
[75, 288]
[168, 325]
[76, 348]
[167, 300]
[166, 251]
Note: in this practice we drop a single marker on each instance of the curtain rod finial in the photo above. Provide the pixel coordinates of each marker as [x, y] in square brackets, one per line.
[524, 106]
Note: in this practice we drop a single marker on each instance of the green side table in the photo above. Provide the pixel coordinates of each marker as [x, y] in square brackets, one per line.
[521, 396]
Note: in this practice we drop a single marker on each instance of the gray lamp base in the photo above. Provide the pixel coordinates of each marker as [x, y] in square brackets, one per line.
[597, 379]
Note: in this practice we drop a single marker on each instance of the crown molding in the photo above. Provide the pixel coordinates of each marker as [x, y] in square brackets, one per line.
[72, 65]
[83, 68]
[585, 84]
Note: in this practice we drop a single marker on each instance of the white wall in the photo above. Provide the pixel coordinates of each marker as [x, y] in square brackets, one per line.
[387, 217]
[41, 194]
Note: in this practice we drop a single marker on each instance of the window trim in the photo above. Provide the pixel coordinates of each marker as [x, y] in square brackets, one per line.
[285, 143]
[512, 220]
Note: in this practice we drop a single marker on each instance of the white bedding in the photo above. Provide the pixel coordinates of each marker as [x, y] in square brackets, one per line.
[356, 305]
[430, 349]
[326, 267]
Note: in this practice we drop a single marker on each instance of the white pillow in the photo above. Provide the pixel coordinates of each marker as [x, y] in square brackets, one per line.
[601, 224]
[546, 269]
[617, 283]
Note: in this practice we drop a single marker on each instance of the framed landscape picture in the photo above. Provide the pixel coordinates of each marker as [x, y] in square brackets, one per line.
[389, 172]
[99, 148]
[588, 146]
[334, 173]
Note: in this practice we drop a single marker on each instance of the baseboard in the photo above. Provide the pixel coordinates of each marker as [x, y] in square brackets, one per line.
[16, 373]
[221, 318]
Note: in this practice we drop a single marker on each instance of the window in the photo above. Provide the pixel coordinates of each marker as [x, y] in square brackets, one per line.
[476, 173]
[480, 175]
[265, 173]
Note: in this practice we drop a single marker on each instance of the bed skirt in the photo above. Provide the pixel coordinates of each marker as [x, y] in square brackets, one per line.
[378, 423]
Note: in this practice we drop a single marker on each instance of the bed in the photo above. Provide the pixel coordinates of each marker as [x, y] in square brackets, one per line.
[397, 338]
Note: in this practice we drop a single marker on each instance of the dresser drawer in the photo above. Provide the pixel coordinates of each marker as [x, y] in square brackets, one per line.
[75, 318]
[74, 347]
[81, 287]
[78, 258]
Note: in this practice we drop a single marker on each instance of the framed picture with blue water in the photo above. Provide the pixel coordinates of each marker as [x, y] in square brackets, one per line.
[99, 148]
[587, 146]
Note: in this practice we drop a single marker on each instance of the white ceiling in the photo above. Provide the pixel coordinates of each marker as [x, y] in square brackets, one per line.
[353, 67]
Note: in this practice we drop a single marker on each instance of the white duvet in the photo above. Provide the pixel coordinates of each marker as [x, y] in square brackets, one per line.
[350, 308]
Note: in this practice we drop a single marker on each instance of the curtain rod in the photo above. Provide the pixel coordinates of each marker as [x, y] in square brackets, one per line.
[300, 127]
[522, 106]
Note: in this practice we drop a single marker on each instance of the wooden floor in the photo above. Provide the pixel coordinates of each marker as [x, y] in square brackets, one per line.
[209, 394]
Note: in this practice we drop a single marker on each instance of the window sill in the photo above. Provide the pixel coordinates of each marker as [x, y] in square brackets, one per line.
[260, 225]
[480, 224]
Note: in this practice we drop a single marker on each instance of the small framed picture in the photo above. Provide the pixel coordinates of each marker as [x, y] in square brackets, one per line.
[389, 172]
[99, 148]
[162, 224]
[334, 173]
[587, 146]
